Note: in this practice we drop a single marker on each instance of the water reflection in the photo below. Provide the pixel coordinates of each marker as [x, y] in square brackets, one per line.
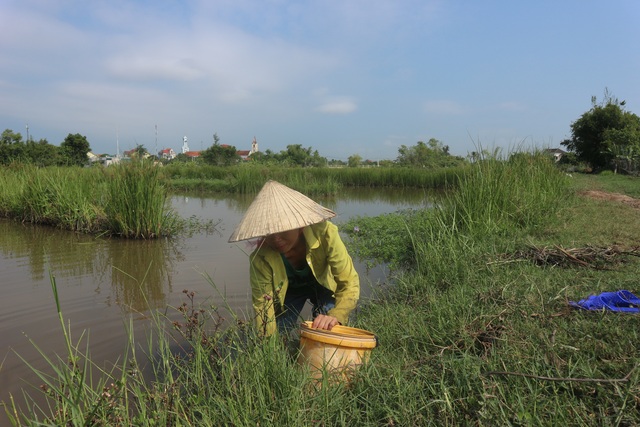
[237, 203]
[157, 258]
[137, 272]
[39, 247]
[366, 201]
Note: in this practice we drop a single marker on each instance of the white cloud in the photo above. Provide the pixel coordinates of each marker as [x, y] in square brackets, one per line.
[343, 105]
[226, 63]
[155, 68]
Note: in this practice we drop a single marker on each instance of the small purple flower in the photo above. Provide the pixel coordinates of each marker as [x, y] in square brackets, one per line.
[356, 229]
[267, 297]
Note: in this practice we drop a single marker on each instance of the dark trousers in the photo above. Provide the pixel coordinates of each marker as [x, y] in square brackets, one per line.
[320, 297]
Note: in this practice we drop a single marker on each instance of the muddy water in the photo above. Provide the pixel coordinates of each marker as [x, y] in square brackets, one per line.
[105, 285]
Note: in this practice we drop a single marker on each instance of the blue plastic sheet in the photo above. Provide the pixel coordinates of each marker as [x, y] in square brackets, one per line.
[621, 300]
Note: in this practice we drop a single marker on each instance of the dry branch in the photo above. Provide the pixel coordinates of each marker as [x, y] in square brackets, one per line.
[588, 256]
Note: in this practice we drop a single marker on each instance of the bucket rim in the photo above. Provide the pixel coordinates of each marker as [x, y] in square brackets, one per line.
[339, 330]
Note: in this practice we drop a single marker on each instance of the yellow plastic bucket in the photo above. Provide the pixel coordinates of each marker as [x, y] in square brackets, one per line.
[338, 351]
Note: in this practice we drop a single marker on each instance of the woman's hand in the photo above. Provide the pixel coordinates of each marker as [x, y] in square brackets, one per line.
[323, 321]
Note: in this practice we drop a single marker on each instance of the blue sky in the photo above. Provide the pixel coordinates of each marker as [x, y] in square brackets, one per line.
[343, 77]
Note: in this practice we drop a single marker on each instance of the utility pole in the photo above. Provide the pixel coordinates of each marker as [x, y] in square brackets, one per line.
[27, 132]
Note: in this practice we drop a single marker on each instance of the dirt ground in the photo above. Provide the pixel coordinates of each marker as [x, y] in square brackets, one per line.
[615, 197]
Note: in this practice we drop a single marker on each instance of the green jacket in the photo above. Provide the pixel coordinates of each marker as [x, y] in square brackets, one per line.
[329, 262]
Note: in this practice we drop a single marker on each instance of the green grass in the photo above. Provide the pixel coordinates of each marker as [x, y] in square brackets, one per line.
[249, 179]
[608, 181]
[471, 332]
[128, 200]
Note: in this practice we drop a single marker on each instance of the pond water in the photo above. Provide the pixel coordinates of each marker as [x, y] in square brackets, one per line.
[103, 284]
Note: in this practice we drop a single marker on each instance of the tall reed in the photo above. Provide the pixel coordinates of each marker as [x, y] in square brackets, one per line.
[128, 200]
[62, 197]
[495, 198]
[248, 178]
[137, 201]
[498, 194]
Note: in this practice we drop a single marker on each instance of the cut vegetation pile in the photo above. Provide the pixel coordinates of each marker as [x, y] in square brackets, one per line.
[589, 256]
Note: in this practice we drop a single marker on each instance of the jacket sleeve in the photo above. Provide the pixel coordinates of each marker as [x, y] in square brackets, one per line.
[262, 294]
[347, 280]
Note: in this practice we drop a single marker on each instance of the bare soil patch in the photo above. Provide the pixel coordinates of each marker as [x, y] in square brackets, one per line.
[614, 197]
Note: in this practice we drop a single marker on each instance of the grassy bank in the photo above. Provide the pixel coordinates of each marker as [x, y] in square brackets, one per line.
[312, 181]
[475, 330]
[130, 199]
[492, 340]
[127, 200]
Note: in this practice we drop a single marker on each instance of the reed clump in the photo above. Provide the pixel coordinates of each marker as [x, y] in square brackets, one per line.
[128, 200]
[137, 204]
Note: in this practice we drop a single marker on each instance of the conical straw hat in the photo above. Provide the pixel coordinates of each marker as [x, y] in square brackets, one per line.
[278, 208]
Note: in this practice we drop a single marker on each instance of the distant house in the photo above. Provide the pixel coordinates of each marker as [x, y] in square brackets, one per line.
[92, 157]
[555, 152]
[133, 153]
[103, 159]
[106, 160]
[192, 154]
[167, 154]
[244, 154]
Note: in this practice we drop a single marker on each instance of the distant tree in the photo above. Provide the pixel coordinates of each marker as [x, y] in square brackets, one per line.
[181, 158]
[336, 162]
[10, 137]
[74, 149]
[624, 146]
[473, 157]
[263, 157]
[605, 133]
[41, 153]
[11, 147]
[140, 152]
[317, 160]
[430, 155]
[297, 155]
[220, 155]
[294, 155]
[354, 160]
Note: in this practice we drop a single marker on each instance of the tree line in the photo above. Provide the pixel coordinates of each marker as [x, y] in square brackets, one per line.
[71, 152]
[607, 136]
[75, 147]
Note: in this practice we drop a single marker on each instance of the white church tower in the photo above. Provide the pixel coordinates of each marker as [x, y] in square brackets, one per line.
[185, 146]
